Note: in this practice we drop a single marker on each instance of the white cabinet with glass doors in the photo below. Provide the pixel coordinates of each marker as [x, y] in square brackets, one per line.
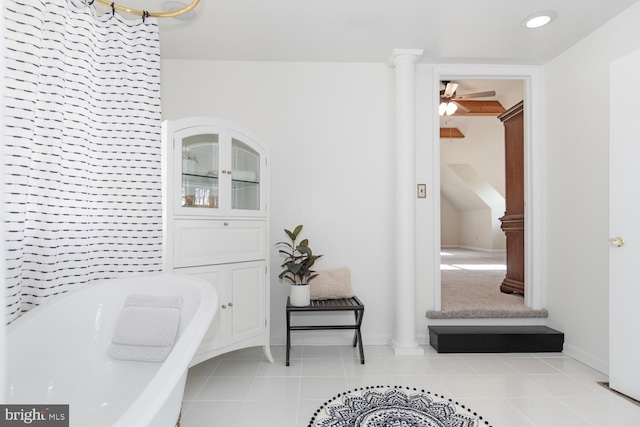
[215, 192]
[222, 172]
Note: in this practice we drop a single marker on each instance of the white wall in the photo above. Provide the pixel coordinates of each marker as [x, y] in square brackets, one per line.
[330, 127]
[474, 229]
[448, 224]
[330, 131]
[577, 195]
[482, 149]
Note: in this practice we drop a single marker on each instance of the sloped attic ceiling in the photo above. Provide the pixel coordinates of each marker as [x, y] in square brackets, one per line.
[482, 149]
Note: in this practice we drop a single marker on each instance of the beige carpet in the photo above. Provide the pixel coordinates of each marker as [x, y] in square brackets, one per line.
[471, 288]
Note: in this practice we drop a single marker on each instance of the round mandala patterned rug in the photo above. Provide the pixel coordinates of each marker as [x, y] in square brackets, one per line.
[394, 406]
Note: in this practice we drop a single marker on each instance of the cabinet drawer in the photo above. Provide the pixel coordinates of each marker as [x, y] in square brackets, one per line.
[204, 242]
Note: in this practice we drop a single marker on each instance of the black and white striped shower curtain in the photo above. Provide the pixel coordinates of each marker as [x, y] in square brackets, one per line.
[82, 192]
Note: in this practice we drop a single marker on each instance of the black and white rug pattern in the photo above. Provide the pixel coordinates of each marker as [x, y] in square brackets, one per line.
[394, 406]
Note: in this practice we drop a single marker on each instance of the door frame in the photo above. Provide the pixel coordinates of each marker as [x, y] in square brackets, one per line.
[533, 168]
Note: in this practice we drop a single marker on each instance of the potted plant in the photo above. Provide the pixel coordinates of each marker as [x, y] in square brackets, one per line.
[297, 267]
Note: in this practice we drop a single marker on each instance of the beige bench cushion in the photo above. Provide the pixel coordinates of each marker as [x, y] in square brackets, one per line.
[332, 284]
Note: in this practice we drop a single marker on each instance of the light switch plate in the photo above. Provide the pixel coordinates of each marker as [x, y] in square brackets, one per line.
[422, 191]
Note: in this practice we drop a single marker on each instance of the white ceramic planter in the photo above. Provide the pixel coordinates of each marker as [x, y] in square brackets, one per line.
[300, 295]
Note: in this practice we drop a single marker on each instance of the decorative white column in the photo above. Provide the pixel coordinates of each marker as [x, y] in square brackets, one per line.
[405, 338]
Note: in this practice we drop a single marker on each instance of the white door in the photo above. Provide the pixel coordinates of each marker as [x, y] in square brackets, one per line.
[624, 222]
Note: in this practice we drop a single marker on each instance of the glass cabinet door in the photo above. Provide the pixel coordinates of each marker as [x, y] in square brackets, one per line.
[199, 177]
[245, 176]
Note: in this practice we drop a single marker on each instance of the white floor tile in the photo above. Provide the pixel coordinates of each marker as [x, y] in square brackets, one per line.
[322, 387]
[275, 388]
[369, 380]
[279, 352]
[242, 389]
[489, 365]
[506, 386]
[237, 368]
[322, 367]
[185, 406]
[320, 351]
[567, 365]
[205, 413]
[306, 410]
[281, 413]
[279, 369]
[225, 388]
[549, 412]
[245, 353]
[353, 367]
[204, 369]
[562, 385]
[497, 412]
[430, 383]
[193, 386]
[466, 386]
[604, 412]
[530, 365]
[592, 382]
[409, 366]
[448, 366]
[350, 352]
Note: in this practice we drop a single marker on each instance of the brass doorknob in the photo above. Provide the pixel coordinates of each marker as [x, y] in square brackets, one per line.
[616, 242]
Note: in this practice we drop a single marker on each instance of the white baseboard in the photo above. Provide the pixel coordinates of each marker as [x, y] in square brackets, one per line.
[473, 248]
[337, 338]
[583, 357]
[329, 338]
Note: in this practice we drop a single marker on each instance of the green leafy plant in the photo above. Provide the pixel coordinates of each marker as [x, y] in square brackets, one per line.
[298, 259]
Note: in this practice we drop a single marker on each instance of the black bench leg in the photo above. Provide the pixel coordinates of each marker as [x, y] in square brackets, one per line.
[355, 334]
[358, 334]
[288, 337]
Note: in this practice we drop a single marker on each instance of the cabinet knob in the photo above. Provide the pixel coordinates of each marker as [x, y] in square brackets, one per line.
[226, 223]
[230, 304]
[224, 306]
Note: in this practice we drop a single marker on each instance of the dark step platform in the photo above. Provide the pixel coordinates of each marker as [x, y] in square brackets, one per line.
[495, 339]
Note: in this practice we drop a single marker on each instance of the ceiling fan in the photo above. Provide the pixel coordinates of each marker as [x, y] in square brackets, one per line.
[448, 98]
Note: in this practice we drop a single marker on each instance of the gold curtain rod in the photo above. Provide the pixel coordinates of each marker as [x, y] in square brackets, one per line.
[173, 14]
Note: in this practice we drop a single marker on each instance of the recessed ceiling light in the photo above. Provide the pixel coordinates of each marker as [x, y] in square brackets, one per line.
[539, 19]
[172, 6]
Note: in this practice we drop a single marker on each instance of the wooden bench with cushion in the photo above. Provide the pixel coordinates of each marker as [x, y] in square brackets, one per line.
[329, 305]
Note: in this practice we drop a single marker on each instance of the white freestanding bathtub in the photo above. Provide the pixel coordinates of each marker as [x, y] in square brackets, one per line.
[57, 354]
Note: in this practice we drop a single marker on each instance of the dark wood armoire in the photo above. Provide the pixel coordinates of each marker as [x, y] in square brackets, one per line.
[513, 219]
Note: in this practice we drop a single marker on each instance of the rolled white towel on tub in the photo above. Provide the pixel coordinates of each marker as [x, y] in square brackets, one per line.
[147, 328]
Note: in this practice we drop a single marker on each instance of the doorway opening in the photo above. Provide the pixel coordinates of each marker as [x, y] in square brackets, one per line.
[471, 179]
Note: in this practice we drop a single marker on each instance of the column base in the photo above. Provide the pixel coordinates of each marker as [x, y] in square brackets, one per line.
[412, 349]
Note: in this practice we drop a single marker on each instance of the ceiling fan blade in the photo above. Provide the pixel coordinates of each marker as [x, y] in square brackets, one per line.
[461, 108]
[477, 95]
[450, 89]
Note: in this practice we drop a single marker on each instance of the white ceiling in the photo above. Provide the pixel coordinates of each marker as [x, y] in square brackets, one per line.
[449, 31]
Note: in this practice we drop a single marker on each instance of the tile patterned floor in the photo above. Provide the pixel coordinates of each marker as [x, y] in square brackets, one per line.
[242, 389]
